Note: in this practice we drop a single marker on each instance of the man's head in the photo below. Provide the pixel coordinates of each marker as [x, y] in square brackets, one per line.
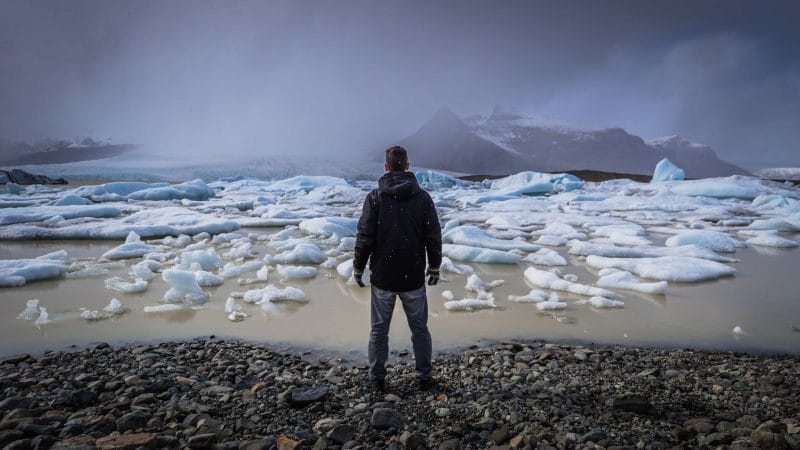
[396, 159]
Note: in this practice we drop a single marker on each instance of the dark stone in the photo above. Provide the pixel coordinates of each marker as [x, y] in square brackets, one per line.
[132, 421]
[35, 429]
[303, 397]
[9, 436]
[16, 402]
[42, 442]
[206, 440]
[633, 403]
[384, 418]
[412, 440]
[14, 359]
[450, 444]
[500, 436]
[342, 433]
[131, 441]
[715, 439]
[253, 445]
[770, 435]
[595, 435]
[22, 444]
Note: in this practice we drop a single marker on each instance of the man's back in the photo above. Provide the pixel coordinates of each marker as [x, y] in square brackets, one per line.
[398, 224]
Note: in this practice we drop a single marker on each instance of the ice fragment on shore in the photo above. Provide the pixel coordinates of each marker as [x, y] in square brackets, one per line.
[626, 280]
[448, 295]
[31, 311]
[666, 268]
[549, 280]
[183, 287]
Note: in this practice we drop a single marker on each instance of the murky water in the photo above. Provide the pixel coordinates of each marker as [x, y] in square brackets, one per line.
[763, 298]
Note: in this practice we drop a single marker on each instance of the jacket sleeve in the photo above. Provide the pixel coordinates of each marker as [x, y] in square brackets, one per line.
[367, 229]
[432, 233]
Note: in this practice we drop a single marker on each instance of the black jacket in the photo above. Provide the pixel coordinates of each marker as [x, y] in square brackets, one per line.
[398, 226]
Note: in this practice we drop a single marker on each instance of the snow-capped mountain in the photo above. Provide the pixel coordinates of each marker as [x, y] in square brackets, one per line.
[508, 142]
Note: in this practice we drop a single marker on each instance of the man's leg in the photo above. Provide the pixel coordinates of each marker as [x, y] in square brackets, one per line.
[415, 305]
[382, 306]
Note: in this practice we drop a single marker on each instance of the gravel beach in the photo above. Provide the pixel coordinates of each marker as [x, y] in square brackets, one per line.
[210, 393]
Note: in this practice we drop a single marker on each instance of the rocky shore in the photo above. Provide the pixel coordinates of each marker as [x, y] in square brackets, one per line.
[229, 395]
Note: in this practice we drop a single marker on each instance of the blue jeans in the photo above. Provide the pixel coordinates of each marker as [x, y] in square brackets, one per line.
[415, 305]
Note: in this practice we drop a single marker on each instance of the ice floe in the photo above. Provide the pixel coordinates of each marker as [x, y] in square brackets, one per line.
[296, 272]
[712, 240]
[16, 272]
[666, 268]
[479, 254]
[626, 280]
[550, 280]
[183, 287]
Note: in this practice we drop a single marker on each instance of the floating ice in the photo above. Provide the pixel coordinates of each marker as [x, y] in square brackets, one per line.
[767, 239]
[231, 270]
[146, 269]
[10, 216]
[303, 253]
[556, 228]
[534, 296]
[345, 269]
[694, 251]
[546, 257]
[207, 259]
[433, 180]
[626, 280]
[132, 248]
[177, 242]
[475, 284]
[484, 301]
[475, 237]
[115, 191]
[31, 311]
[272, 293]
[44, 317]
[115, 307]
[737, 330]
[553, 303]
[16, 272]
[666, 268]
[183, 287]
[602, 302]
[72, 200]
[448, 295]
[122, 285]
[296, 272]
[551, 240]
[731, 187]
[478, 254]
[549, 280]
[207, 279]
[191, 190]
[449, 266]
[87, 272]
[666, 171]
[712, 240]
[330, 226]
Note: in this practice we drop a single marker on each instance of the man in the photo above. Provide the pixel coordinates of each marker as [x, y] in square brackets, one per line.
[398, 226]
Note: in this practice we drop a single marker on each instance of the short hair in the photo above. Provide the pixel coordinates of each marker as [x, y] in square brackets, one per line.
[396, 158]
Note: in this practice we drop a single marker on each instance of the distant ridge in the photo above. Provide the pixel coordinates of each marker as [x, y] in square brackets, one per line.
[509, 142]
[58, 152]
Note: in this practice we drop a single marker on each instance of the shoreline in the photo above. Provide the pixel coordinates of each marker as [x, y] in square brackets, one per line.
[220, 393]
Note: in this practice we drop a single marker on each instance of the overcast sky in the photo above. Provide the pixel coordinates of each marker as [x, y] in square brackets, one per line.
[344, 76]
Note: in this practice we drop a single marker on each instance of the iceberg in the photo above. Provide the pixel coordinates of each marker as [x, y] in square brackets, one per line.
[11, 216]
[694, 251]
[666, 268]
[338, 227]
[115, 191]
[473, 236]
[296, 272]
[478, 254]
[207, 259]
[667, 171]
[767, 239]
[433, 180]
[183, 287]
[72, 200]
[712, 240]
[231, 270]
[731, 187]
[190, 190]
[303, 253]
[17, 272]
[626, 280]
[549, 280]
[132, 248]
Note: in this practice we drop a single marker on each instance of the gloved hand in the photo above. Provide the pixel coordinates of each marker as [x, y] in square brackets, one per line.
[357, 274]
[433, 276]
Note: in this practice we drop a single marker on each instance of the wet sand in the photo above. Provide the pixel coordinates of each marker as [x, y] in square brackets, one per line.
[762, 298]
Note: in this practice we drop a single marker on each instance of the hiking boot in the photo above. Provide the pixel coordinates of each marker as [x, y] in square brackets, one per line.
[378, 386]
[426, 384]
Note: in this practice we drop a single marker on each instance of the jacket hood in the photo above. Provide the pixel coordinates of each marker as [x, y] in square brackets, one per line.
[401, 185]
